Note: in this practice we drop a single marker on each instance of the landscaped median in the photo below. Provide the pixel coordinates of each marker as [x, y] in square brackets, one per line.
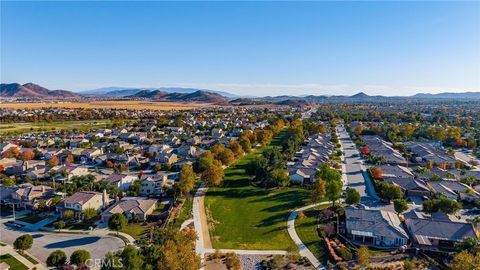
[242, 216]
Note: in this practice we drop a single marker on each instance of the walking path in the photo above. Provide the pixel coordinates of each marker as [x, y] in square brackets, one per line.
[186, 223]
[303, 250]
[10, 250]
[198, 209]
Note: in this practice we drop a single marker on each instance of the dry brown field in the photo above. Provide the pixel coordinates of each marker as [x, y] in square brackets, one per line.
[110, 104]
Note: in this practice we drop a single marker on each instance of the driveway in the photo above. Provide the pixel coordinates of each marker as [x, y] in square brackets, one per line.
[45, 242]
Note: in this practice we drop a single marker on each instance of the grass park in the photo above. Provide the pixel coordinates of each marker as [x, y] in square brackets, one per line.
[12, 262]
[306, 228]
[242, 216]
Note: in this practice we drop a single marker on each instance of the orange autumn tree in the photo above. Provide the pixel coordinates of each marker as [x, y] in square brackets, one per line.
[376, 172]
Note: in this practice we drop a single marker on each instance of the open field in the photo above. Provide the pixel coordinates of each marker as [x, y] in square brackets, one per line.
[109, 104]
[242, 216]
[23, 127]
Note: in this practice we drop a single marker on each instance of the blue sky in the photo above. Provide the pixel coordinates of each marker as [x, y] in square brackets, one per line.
[250, 48]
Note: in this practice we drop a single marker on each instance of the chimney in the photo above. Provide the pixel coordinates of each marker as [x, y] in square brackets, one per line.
[104, 198]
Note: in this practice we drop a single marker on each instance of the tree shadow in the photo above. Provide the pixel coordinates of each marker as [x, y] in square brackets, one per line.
[74, 242]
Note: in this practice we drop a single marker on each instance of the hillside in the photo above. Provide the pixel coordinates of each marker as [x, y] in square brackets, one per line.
[31, 90]
[198, 96]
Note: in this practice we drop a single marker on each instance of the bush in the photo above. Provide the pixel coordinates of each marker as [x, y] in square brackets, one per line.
[344, 253]
[59, 225]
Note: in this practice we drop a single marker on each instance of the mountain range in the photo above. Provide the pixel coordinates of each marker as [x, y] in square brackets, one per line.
[125, 91]
[31, 90]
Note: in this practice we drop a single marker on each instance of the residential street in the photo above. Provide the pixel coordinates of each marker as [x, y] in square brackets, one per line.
[355, 172]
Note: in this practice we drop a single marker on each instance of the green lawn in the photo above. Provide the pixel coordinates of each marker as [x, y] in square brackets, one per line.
[32, 219]
[242, 216]
[306, 229]
[14, 263]
[135, 230]
[184, 214]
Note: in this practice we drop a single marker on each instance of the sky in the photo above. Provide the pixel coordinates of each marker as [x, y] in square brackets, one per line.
[246, 48]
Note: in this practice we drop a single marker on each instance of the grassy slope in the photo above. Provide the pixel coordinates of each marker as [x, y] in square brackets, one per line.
[307, 231]
[246, 217]
[12, 262]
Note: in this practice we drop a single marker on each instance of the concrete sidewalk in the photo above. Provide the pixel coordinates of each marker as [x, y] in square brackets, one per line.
[10, 250]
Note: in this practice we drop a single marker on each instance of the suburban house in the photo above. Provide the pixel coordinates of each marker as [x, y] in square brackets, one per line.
[133, 208]
[152, 185]
[383, 149]
[425, 152]
[454, 190]
[438, 231]
[82, 200]
[122, 181]
[410, 186]
[27, 195]
[373, 227]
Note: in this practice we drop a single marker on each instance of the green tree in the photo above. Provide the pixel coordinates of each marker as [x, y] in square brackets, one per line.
[89, 214]
[59, 224]
[444, 205]
[8, 182]
[245, 144]
[389, 191]
[56, 259]
[352, 196]
[465, 261]
[131, 258]
[400, 205]
[117, 222]
[68, 214]
[79, 257]
[23, 242]
[187, 179]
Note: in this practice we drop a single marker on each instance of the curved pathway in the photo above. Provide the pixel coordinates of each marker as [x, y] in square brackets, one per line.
[303, 250]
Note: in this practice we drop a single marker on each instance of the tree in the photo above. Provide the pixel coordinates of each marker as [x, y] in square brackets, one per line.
[389, 191]
[352, 196]
[79, 257]
[333, 182]
[226, 156]
[27, 155]
[444, 205]
[236, 148]
[178, 256]
[56, 259]
[469, 244]
[187, 179]
[232, 262]
[465, 261]
[400, 205]
[23, 242]
[117, 222]
[69, 160]
[8, 182]
[363, 256]
[89, 214]
[68, 214]
[54, 161]
[213, 174]
[365, 150]
[376, 172]
[131, 258]
[245, 143]
[59, 224]
[318, 191]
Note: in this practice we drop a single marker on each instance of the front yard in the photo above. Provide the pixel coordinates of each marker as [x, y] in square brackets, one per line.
[136, 231]
[12, 262]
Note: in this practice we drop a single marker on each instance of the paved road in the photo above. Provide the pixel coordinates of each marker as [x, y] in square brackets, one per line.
[355, 172]
[303, 250]
[45, 242]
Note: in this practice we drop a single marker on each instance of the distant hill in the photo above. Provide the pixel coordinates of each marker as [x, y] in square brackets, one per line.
[446, 95]
[124, 91]
[294, 102]
[198, 96]
[31, 90]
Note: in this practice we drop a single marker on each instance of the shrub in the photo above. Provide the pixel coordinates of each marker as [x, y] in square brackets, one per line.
[344, 253]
